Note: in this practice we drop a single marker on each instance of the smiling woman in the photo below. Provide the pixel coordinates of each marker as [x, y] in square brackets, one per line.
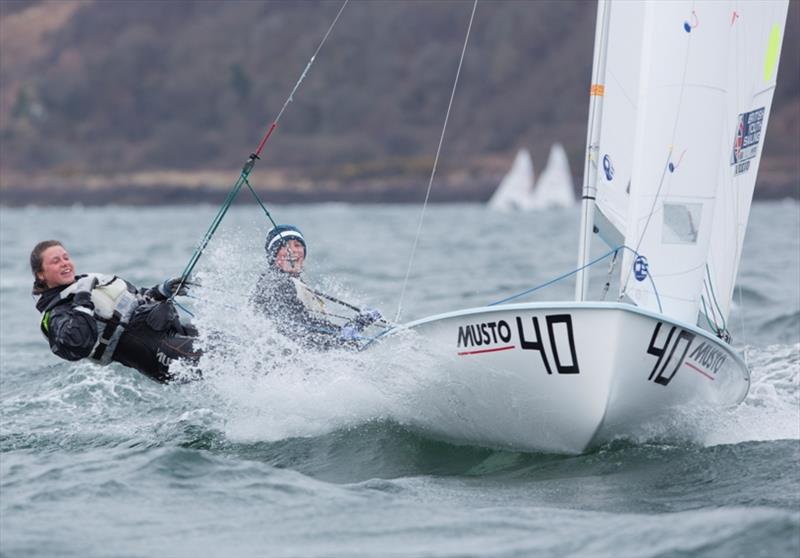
[105, 318]
[51, 266]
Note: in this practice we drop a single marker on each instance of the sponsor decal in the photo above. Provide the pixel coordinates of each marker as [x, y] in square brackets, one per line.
[488, 333]
[709, 358]
[748, 136]
[608, 168]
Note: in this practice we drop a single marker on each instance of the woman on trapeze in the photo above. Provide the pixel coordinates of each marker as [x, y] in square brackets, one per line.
[106, 319]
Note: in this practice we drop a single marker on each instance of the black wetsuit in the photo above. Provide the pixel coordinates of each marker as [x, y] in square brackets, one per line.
[153, 337]
[276, 297]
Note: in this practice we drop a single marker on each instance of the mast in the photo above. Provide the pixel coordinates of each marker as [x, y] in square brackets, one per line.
[592, 138]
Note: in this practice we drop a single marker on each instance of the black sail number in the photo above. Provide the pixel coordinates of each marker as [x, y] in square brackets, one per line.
[663, 372]
[537, 344]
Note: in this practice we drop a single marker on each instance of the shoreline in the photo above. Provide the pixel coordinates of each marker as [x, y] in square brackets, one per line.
[171, 187]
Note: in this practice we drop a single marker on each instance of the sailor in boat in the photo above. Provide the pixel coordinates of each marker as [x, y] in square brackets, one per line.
[106, 319]
[297, 310]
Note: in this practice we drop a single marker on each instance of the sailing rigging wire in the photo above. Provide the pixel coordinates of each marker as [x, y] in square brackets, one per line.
[613, 251]
[250, 163]
[710, 288]
[435, 165]
[611, 267]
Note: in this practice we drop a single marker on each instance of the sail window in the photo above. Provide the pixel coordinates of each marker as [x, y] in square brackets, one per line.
[681, 223]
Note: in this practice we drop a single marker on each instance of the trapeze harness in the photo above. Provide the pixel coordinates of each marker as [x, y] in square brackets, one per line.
[114, 305]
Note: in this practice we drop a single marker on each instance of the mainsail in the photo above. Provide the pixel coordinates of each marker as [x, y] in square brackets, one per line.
[687, 91]
[515, 189]
[756, 33]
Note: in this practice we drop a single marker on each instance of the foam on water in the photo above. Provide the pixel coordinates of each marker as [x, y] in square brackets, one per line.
[270, 387]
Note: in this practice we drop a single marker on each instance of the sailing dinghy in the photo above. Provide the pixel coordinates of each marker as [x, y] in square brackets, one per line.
[516, 189]
[679, 106]
[554, 187]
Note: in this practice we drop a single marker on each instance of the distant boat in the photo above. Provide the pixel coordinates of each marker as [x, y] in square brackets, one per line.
[516, 189]
[554, 187]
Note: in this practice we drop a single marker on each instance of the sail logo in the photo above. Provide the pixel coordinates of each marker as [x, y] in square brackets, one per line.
[608, 168]
[640, 268]
[748, 136]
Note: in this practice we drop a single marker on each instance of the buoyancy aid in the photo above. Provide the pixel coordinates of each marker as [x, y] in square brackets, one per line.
[310, 300]
[114, 304]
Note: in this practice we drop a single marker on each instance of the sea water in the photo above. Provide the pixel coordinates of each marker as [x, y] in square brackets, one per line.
[283, 453]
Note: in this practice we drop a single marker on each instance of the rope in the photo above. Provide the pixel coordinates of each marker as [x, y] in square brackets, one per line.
[250, 163]
[263, 207]
[574, 271]
[555, 280]
[714, 299]
[611, 267]
[435, 164]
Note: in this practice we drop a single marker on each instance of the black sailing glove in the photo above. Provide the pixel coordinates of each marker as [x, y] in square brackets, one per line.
[169, 288]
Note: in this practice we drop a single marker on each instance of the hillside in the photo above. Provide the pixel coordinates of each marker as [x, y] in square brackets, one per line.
[163, 100]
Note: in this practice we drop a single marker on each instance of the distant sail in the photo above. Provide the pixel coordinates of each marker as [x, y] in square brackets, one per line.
[554, 187]
[515, 190]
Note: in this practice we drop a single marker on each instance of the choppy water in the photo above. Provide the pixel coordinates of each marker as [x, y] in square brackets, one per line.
[315, 458]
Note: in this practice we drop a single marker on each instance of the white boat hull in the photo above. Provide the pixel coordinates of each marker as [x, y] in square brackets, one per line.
[561, 377]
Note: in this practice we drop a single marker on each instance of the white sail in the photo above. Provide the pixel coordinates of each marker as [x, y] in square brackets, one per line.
[515, 189]
[620, 90]
[757, 30]
[680, 120]
[554, 187]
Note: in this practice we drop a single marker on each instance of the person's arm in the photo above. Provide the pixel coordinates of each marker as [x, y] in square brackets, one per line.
[72, 329]
[166, 289]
